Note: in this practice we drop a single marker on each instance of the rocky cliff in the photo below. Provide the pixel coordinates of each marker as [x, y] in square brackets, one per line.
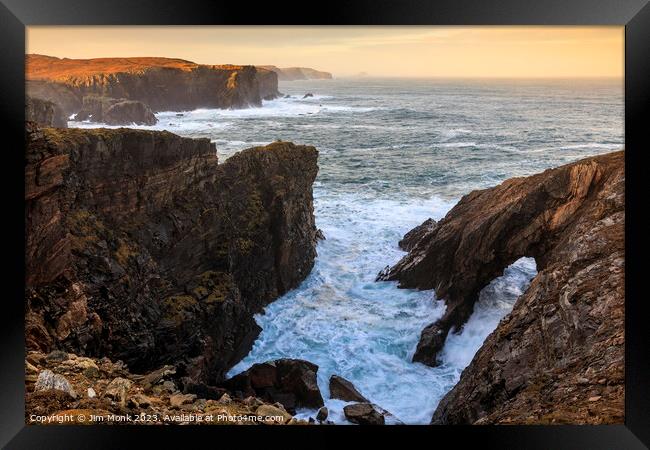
[114, 111]
[141, 247]
[559, 355]
[44, 113]
[163, 84]
[298, 73]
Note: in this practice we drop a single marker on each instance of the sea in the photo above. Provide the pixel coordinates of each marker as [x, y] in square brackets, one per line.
[393, 153]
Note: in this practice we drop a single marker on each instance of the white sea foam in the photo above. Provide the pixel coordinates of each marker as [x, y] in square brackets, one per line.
[452, 133]
[206, 120]
[495, 301]
[348, 324]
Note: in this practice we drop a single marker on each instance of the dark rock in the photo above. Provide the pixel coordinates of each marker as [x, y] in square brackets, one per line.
[204, 391]
[60, 95]
[344, 390]
[569, 324]
[127, 112]
[112, 111]
[158, 376]
[489, 230]
[322, 414]
[45, 113]
[287, 96]
[56, 356]
[410, 239]
[291, 382]
[157, 254]
[363, 414]
[307, 95]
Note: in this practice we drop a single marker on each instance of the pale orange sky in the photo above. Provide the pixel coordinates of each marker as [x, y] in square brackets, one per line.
[415, 51]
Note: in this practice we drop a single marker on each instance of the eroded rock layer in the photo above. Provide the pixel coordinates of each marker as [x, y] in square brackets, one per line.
[141, 247]
[163, 84]
[559, 355]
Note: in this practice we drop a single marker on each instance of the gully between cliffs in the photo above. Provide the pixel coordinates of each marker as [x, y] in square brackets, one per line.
[142, 247]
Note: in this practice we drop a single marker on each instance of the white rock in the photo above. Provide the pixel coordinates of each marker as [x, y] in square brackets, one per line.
[49, 380]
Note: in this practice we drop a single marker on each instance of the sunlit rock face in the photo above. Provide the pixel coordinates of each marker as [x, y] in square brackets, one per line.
[163, 84]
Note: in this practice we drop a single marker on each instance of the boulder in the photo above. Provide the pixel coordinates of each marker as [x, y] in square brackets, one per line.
[322, 414]
[56, 356]
[307, 95]
[272, 415]
[177, 400]
[49, 380]
[364, 414]
[225, 399]
[291, 382]
[87, 366]
[140, 401]
[118, 389]
[158, 376]
[344, 390]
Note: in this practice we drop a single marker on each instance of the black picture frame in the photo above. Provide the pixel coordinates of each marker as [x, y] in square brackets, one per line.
[15, 15]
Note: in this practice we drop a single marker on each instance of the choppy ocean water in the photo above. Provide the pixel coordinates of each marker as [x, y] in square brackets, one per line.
[392, 154]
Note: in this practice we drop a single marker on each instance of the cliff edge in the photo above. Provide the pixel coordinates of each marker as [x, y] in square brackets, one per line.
[162, 84]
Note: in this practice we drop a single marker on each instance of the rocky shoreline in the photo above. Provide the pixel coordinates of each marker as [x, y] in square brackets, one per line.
[144, 86]
[558, 357]
[66, 389]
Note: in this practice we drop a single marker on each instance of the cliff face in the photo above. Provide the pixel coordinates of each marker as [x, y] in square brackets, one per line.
[44, 113]
[559, 355]
[161, 83]
[141, 247]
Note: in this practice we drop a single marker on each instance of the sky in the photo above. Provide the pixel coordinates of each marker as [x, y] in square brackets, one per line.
[383, 51]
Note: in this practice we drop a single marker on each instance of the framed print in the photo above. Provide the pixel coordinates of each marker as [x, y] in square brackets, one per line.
[404, 218]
